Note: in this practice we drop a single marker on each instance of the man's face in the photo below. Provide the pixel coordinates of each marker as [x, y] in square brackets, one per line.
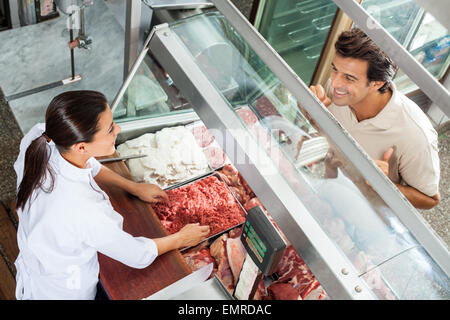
[349, 81]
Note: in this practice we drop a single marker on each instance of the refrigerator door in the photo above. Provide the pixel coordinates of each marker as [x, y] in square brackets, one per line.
[297, 30]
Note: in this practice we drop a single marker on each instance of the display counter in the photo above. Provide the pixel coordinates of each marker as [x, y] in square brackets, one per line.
[354, 230]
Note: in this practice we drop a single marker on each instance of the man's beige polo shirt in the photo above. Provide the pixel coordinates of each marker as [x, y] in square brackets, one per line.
[402, 125]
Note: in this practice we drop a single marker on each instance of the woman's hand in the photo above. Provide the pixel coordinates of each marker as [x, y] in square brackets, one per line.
[149, 192]
[191, 234]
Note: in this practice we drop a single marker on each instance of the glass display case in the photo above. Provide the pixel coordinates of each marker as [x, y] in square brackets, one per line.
[355, 231]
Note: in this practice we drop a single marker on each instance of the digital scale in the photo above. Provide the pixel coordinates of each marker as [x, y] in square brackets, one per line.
[265, 247]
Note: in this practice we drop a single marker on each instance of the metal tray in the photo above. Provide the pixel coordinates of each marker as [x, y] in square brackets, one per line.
[193, 179]
[203, 176]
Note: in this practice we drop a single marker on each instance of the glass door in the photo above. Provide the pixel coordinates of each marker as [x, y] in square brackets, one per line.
[297, 30]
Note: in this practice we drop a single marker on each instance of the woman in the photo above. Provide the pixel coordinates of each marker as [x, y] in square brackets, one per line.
[64, 217]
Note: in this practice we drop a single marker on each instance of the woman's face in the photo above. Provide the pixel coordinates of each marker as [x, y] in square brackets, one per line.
[104, 140]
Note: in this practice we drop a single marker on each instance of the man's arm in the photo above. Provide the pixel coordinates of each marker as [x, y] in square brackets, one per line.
[417, 198]
[144, 191]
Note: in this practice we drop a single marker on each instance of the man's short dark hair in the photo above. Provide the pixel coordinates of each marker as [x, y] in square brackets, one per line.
[356, 44]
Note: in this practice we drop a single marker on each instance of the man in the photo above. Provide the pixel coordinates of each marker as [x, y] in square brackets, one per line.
[391, 128]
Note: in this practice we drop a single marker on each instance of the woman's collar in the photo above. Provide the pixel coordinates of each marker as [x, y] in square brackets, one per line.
[69, 170]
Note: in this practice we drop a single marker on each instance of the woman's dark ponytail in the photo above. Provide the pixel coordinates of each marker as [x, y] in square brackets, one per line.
[71, 117]
[35, 170]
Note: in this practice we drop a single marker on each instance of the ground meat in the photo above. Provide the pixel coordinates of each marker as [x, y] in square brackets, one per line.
[207, 201]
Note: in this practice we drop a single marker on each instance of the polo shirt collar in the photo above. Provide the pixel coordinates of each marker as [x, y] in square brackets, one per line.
[387, 117]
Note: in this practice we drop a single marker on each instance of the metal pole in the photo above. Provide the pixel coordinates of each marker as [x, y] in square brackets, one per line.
[72, 58]
[132, 22]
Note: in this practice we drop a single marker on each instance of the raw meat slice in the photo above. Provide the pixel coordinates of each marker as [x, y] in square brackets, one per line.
[317, 294]
[236, 255]
[247, 116]
[292, 269]
[235, 233]
[237, 184]
[203, 137]
[254, 202]
[247, 188]
[215, 156]
[265, 107]
[232, 174]
[240, 194]
[282, 291]
[260, 293]
[198, 257]
[224, 178]
[217, 248]
[229, 170]
[218, 251]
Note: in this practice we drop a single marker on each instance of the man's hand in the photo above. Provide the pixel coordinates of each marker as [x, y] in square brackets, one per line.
[319, 92]
[383, 164]
[332, 163]
[417, 198]
[149, 192]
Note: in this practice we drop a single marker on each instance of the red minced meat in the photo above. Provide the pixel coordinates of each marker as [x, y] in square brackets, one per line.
[207, 201]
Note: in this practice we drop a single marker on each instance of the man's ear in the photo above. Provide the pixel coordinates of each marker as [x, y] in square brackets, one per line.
[376, 85]
[79, 147]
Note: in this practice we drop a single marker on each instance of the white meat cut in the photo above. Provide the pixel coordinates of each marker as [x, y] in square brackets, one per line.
[173, 156]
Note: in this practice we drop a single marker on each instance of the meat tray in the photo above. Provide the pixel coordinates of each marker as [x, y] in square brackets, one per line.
[214, 173]
[193, 179]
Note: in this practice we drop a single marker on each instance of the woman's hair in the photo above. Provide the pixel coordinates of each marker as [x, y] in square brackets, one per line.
[71, 117]
[356, 44]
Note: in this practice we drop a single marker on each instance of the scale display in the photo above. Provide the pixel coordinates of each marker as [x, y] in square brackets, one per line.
[263, 242]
